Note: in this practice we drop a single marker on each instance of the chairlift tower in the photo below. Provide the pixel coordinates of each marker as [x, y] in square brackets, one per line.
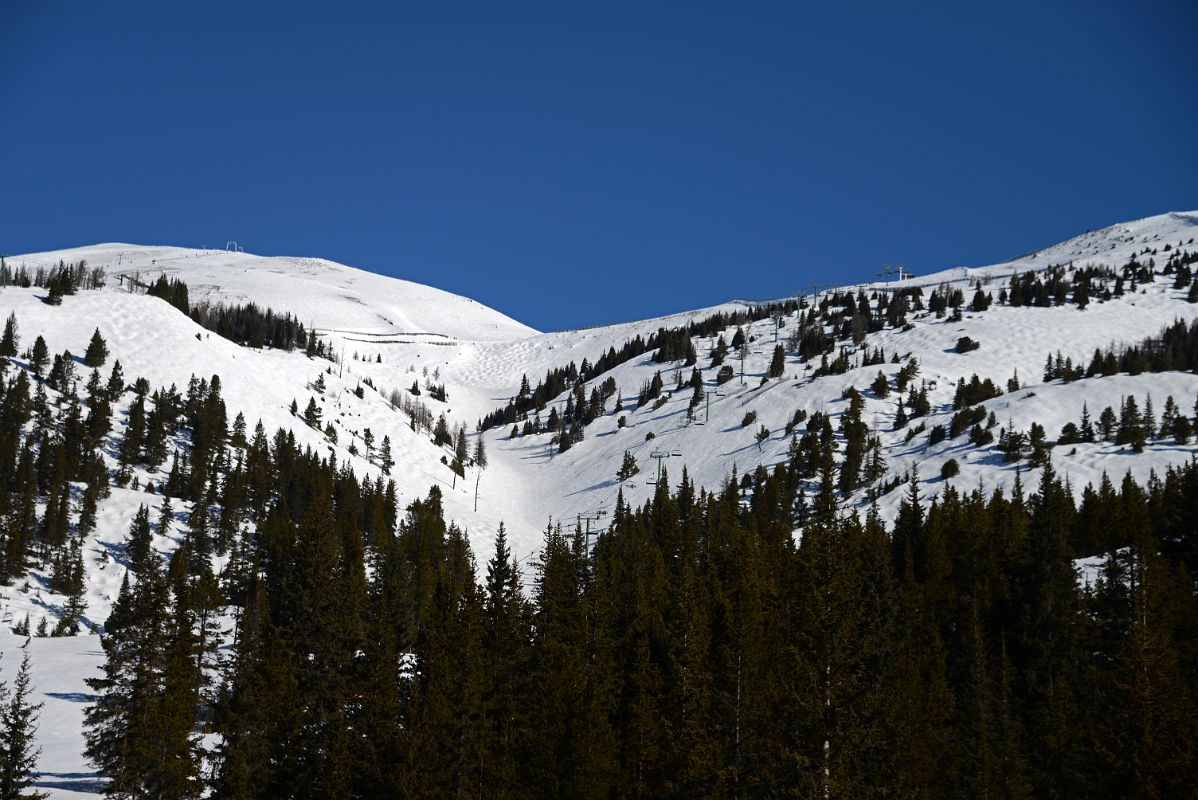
[659, 456]
[586, 518]
[707, 395]
[816, 288]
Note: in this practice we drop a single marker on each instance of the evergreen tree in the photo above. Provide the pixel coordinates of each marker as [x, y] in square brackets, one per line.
[1046, 654]
[123, 724]
[840, 692]
[135, 433]
[881, 386]
[138, 546]
[386, 461]
[441, 434]
[116, 382]
[777, 363]
[312, 413]
[503, 640]
[11, 340]
[18, 733]
[1086, 430]
[39, 356]
[628, 467]
[461, 450]
[97, 351]
[856, 433]
[480, 451]
[73, 587]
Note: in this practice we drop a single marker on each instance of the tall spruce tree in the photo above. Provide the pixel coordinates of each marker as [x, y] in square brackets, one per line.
[18, 734]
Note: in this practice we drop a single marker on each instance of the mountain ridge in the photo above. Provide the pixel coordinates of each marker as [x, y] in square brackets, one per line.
[478, 357]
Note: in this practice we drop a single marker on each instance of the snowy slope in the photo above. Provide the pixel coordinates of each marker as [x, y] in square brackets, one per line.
[1112, 245]
[481, 355]
[318, 292]
[392, 331]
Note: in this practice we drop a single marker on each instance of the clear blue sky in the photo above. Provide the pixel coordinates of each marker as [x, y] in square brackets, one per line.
[573, 163]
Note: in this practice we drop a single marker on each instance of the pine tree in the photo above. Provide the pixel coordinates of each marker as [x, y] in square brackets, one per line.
[11, 340]
[719, 352]
[566, 733]
[503, 637]
[628, 467]
[1046, 655]
[238, 436]
[1182, 429]
[76, 603]
[166, 517]
[762, 436]
[39, 356]
[1131, 426]
[777, 363]
[138, 546]
[881, 386]
[97, 351]
[856, 441]
[461, 450]
[840, 691]
[386, 461]
[480, 451]
[122, 734]
[1087, 427]
[18, 734]
[116, 382]
[1106, 423]
[175, 761]
[922, 702]
[135, 433]
[312, 413]
[87, 509]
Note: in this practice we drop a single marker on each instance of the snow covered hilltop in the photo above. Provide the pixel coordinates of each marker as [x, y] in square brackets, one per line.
[263, 531]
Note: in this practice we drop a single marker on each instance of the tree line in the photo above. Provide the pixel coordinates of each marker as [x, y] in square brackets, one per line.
[62, 278]
[246, 324]
[672, 344]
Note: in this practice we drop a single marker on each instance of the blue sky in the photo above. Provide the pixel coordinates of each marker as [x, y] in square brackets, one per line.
[573, 164]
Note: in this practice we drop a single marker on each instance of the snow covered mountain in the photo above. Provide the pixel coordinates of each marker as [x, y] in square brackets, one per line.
[388, 334]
